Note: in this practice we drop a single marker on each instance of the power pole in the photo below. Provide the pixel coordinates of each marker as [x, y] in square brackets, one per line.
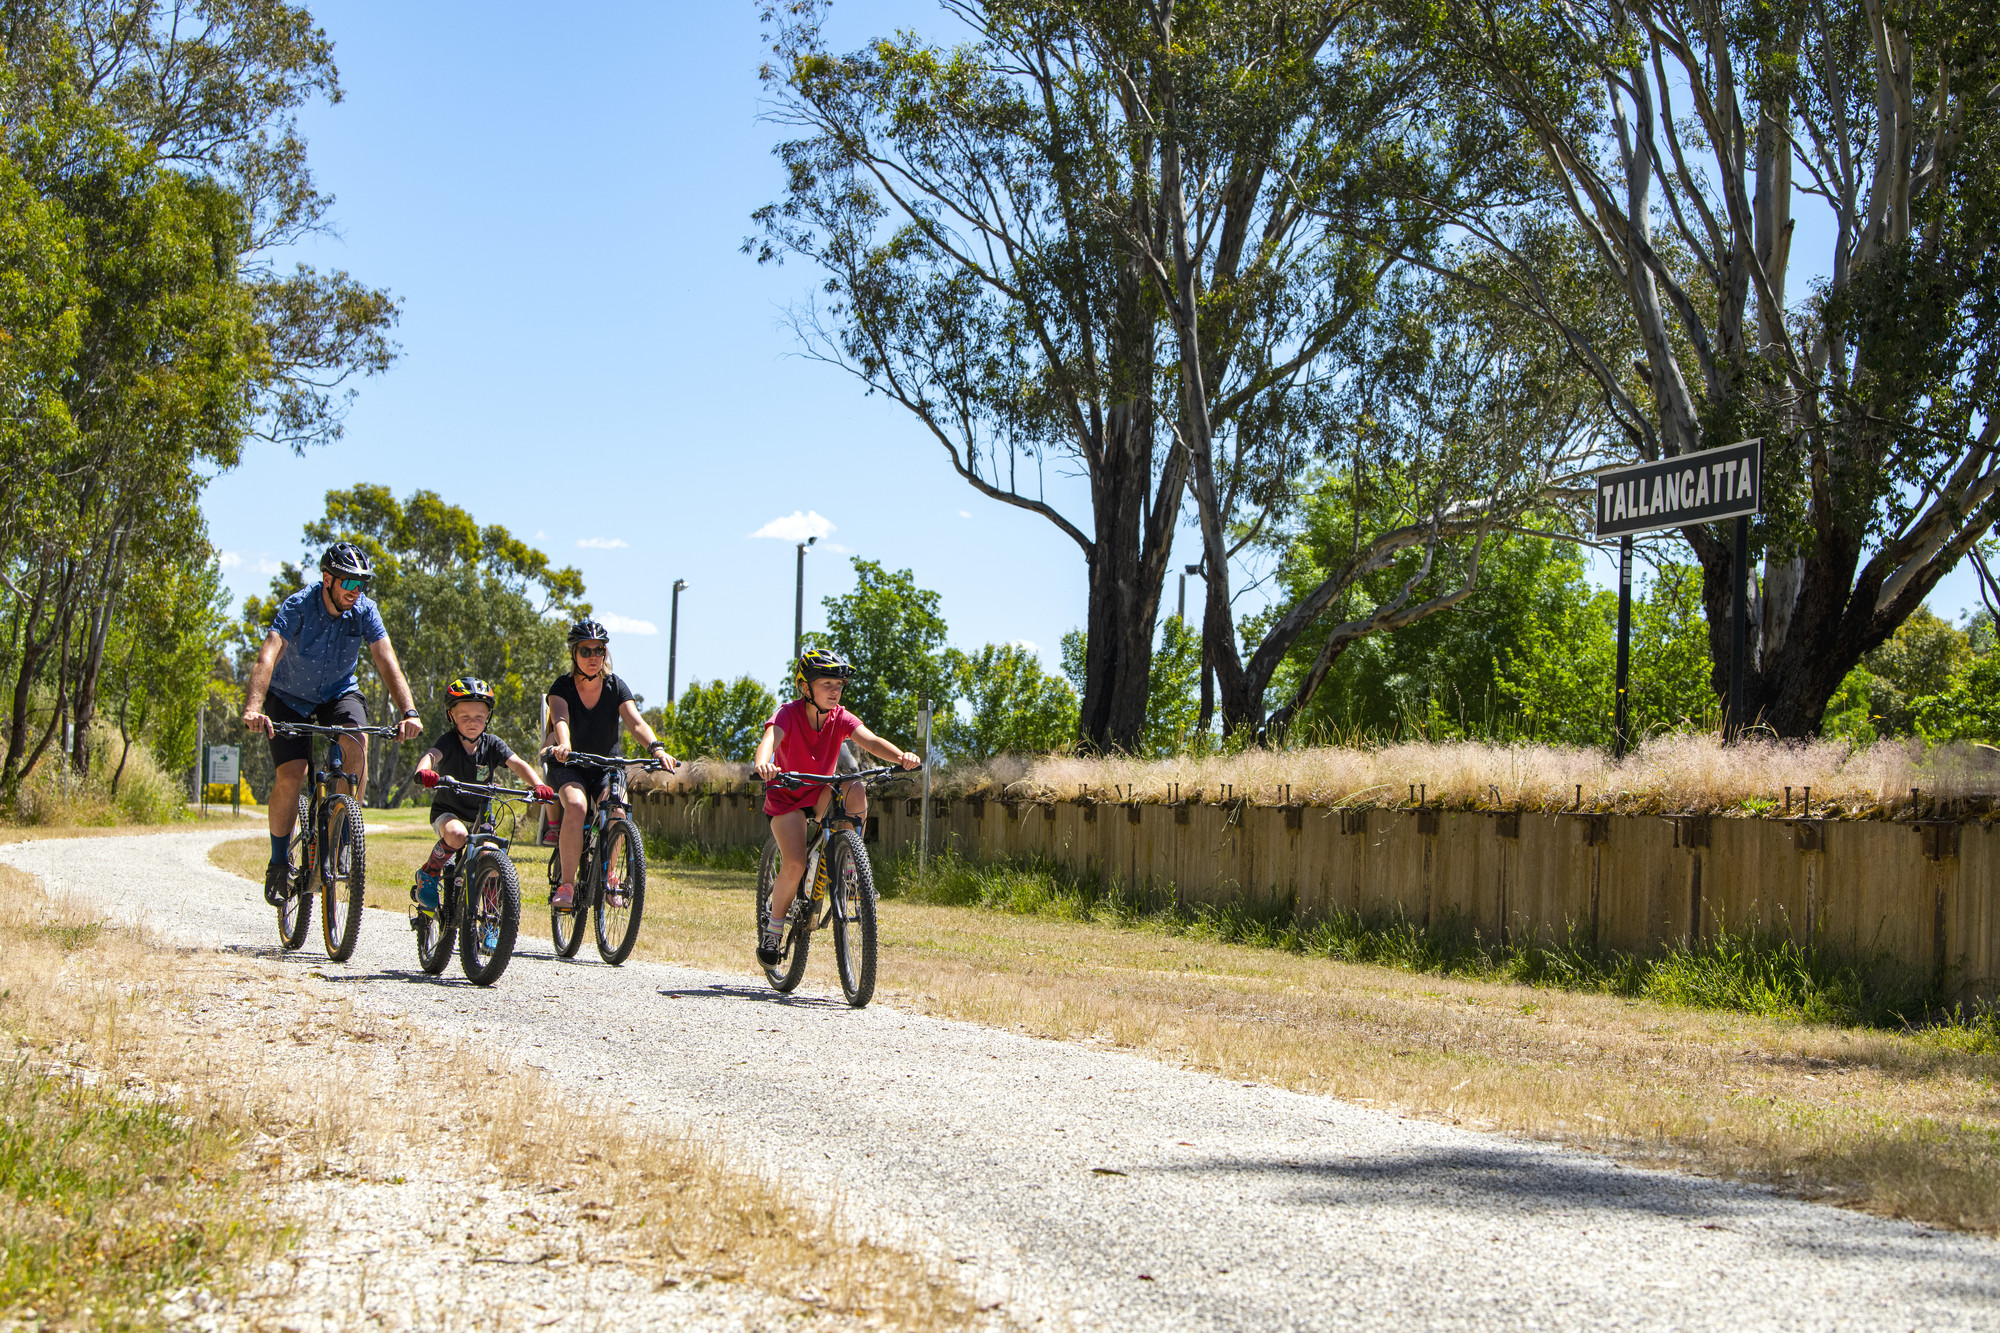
[674, 637]
[799, 603]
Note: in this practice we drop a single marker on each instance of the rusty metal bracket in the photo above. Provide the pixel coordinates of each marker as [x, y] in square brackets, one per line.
[1691, 830]
[1940, 837]
[1507, 823]
[1132, 813]
[1353, 820]
[1295, 817]
[1808, 835]
[1427, 822]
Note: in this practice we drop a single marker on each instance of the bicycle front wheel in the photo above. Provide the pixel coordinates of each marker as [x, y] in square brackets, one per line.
[491, 916]
[785, 974]
[621, 892]
[343, 869]
[295, 908]
[565, 928]
[853, 880]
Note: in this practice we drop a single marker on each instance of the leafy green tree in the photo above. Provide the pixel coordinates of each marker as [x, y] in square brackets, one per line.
[1967, 708]
[892, 633]
[1015, 706]
[1689, 147]
[719, 720]
[1671, 667]
[1173, 701]
[458, 599]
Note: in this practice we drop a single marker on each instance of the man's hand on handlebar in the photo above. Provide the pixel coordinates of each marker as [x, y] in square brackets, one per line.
[408, 728]
[254, 720]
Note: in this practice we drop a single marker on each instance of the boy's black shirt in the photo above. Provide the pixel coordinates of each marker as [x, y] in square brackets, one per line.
[489, 753]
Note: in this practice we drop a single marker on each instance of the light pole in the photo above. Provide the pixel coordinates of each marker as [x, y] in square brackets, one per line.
[674, 637]
[799, 603]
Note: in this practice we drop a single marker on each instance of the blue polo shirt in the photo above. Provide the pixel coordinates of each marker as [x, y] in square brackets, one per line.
[321, 649]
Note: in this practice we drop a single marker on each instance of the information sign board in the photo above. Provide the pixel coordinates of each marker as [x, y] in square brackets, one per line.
[1693, 488]
[225, 763]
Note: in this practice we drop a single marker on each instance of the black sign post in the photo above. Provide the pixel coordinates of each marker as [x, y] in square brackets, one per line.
[1673, 493]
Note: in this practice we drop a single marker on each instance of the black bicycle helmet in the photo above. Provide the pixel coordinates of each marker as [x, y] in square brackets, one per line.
[818, 663]
[345, 560]
[584, 630]
[469, 689]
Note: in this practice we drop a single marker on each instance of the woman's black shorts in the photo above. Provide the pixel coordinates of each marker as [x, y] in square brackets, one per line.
[590, 779]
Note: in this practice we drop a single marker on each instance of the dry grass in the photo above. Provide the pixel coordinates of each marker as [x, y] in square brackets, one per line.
[1901, 1124]
[1680, 774]
[284, 1083]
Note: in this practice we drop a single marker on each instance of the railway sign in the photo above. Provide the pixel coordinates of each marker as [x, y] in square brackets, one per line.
[1674, 492]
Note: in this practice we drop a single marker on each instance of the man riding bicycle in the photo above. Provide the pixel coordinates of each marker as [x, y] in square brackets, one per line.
[804, 736]
[586, 707]
[305, 673]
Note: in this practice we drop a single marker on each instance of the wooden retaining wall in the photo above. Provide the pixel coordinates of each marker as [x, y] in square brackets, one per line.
[1922, 894]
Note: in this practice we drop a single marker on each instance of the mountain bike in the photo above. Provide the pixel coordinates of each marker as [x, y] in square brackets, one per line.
[838, 888]
[328, 853]
[610, 872]
[479, 896]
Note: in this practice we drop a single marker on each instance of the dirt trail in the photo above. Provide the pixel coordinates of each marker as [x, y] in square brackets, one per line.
[1087, 1188]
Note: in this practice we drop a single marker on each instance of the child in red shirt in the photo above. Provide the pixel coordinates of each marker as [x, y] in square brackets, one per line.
[804, 736]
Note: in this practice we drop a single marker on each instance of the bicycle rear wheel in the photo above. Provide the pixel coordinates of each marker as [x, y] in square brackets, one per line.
[491, 917]
[565, 928]
[853, 880]
[434, 933]
[345, 857]
[621, 891]
[295, 908]
[788, 971]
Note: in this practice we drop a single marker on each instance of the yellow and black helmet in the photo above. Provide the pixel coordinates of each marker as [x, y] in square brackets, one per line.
[469, 689]
[815, 663]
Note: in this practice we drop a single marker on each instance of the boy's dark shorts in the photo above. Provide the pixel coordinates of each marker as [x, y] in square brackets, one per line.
[346, 711]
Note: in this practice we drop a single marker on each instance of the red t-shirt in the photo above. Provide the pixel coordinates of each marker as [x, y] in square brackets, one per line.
[803, 750]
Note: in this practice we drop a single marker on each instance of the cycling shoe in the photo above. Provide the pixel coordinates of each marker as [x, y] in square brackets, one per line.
[770, 944]
[274, 883]
[427, 891]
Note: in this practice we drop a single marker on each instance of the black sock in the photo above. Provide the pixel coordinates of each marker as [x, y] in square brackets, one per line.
[279, 846]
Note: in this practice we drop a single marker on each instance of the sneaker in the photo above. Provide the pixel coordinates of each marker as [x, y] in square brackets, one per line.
[427, 890]
[770, 944]
[275, 875]
[563, 898]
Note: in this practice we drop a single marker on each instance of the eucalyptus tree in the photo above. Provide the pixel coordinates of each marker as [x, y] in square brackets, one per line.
[973, 210]
[1792, 201]
[158, 142]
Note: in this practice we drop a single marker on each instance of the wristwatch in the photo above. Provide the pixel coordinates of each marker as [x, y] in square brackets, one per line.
[411, 712]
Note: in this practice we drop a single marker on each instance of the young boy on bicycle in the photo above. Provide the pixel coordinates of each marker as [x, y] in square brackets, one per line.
[460, 752]
[804, 736]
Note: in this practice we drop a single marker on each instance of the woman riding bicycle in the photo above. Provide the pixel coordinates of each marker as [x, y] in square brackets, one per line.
[460, 752]
[804, 736]
[585, 708]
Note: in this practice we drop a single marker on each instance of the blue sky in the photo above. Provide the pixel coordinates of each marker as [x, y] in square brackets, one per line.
[590, 361]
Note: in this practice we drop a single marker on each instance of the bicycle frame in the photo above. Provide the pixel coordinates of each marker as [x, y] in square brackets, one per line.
[319, 789]
[812, 879]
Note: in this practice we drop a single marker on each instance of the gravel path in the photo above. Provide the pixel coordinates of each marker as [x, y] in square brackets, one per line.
[1093, 1189]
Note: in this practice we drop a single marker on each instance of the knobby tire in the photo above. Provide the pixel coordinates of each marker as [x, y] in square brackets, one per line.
[295, 908]
[346, 853]
[853, 881]
[621, 868]
[789, 970]
[434, 937]
[489, 874]
[566, 928]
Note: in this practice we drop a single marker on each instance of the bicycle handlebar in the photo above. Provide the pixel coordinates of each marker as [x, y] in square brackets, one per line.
[793, 781]
[490, 791]
[312, 729]
[605, 761]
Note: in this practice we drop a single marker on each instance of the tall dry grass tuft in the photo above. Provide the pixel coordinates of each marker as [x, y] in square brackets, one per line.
[53, 795]
[1678, 774]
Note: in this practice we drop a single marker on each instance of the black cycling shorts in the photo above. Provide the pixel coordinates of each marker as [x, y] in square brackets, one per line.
[346, 711]
[592, 780]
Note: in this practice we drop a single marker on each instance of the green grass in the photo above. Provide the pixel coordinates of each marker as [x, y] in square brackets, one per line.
[1750, 972]
[109, 1201]
[691, 852]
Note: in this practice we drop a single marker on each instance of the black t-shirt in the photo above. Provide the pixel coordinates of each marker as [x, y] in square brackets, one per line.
[593, 730]
[487, 754]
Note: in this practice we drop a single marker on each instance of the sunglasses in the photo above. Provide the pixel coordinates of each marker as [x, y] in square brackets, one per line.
[588, 650]
[351, 585]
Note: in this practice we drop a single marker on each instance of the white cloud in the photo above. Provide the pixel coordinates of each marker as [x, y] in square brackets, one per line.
[626, 625]
[601, 543]
[835, 547]
[231, 560]
[796, 526]
[541, 536]
[262, 565]
[965, 513]
[1028, 644]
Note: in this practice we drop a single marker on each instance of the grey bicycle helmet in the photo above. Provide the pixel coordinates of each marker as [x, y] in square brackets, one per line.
[584, 630]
